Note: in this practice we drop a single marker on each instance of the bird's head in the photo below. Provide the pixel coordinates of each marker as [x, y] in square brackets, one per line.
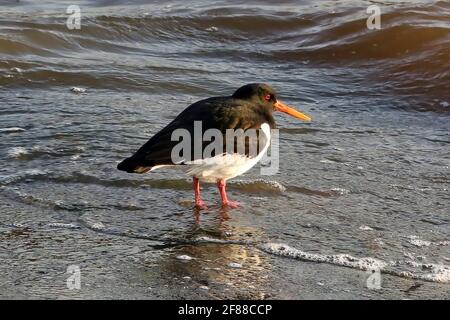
[266, 96]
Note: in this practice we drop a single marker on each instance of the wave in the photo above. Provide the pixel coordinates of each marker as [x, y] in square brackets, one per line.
[12, 130]
[290, 38]
[22, 153]
[255, 186]
[406, 269]
[41, 202]
[409, 56]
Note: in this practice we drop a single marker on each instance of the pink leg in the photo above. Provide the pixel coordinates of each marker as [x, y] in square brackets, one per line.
[198, 200]
[221, 184]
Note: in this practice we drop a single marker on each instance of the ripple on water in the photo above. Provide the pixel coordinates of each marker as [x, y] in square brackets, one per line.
[25, 174]
[418, 242]
[184, 257]
[22, 153]
[334, 192]
[17, 152]
[60, 225]
[258, 185]
[11, 130]
[31, 199]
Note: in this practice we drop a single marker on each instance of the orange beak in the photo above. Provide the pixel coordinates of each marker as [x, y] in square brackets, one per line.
[280, 106]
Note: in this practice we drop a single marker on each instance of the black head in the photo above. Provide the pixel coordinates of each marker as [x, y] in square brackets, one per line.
[266, 97]
[257, 92]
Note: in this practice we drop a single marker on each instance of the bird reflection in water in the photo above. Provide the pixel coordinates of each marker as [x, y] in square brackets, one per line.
[229, 268]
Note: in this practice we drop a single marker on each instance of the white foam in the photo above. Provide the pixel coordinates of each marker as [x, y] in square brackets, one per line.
[184, 257]
[209, 239]
[436, 272]
[17, 152]
[94, 225]
[78, 90]
[340, 191]
[427, 272]
[12, 129]
[416, 241]
[365, 228]
[17, 225]
[235, 265]
[264, 184]
[63, 225]
[338, 259]
[34, 172]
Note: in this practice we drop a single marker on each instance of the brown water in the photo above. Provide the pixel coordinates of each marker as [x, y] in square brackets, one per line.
[368, 178]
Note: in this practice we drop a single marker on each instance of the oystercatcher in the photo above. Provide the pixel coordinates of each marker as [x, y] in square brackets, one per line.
[249, 108]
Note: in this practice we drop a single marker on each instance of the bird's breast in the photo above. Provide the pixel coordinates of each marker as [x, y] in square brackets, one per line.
[229, 164]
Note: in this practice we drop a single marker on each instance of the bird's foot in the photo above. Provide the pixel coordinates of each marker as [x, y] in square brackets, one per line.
[200, 204]
[231, 204]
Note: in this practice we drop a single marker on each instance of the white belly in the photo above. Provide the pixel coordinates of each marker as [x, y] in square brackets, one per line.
[225, 166]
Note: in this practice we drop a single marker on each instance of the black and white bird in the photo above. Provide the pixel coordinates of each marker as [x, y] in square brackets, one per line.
[249, 108]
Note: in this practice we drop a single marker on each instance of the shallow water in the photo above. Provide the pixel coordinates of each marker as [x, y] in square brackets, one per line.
[363, 186]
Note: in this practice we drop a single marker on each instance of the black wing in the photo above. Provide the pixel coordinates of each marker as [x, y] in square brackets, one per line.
[220, 113]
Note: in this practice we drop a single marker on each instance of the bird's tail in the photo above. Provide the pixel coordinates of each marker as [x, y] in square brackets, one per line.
[134, 165]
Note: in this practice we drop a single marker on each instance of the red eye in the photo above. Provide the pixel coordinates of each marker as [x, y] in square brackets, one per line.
[268, 97]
